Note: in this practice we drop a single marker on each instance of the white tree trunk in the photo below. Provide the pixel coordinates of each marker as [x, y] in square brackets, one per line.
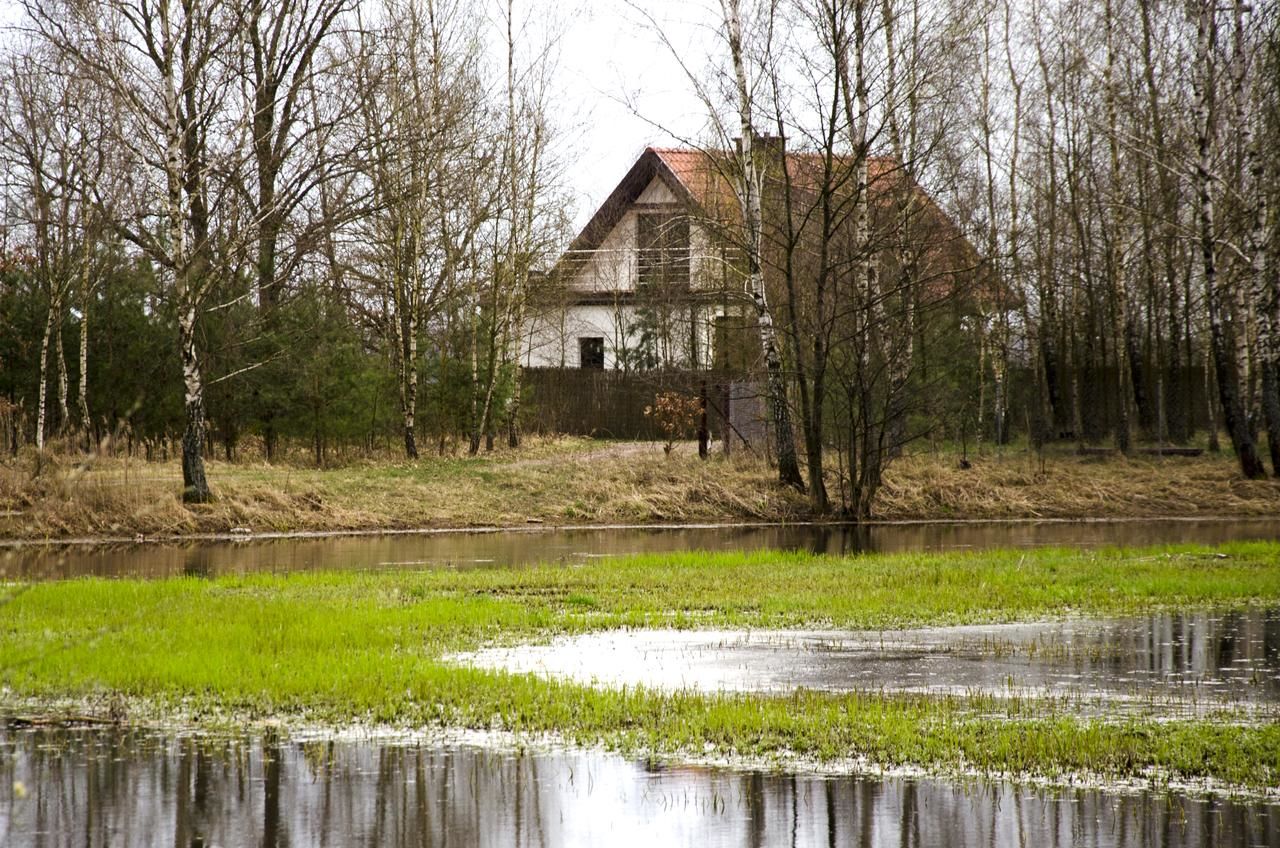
[195, 485]
[60, 353]
[748, 187]
[86, 425]
[43, 395]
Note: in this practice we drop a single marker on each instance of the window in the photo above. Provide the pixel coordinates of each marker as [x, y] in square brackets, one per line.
[591, 352]
[663, 242]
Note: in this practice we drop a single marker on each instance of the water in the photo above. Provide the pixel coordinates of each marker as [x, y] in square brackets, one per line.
[123, 787]
[1171, 664]
[522, 547]
[129, 788]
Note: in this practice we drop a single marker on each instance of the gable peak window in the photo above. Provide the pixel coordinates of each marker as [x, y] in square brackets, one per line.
[662, 241]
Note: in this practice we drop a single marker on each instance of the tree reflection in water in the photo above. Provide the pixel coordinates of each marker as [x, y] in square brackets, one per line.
[110, 787]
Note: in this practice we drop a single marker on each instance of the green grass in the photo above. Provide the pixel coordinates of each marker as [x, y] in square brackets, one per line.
[343, 647]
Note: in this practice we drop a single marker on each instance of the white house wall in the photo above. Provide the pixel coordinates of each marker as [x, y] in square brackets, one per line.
[553, 337]
[657, 192]
[553, 341]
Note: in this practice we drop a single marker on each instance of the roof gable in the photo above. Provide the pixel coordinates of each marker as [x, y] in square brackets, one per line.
[649, 166]
[701, 181]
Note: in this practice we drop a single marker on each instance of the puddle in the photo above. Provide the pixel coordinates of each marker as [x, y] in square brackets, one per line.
[1166, 664]
[127, 788]
[523, 547]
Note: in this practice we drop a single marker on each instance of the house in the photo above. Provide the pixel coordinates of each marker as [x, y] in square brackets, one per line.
[654, 280]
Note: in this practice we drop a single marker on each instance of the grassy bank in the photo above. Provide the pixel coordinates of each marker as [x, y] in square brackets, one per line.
[345, 647]
[580, 481]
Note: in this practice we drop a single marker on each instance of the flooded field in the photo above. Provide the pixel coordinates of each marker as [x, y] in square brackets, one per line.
[208, 558]
[1167, 664]
[111, 787]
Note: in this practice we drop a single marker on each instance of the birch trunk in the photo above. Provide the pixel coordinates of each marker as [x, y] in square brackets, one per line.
[1226, 368]
[409, 398]
[865, 452]
[901, 344]
[86, 426]
[982, 384]
[749, 187]
[1047, 284]
[1174, 418]
[1046, 412]
[473, 446]
[406, 330]
[1254, 190]
[516, 241]
[43, 394]
[195, 486]
[1122, 326]
[60, 354]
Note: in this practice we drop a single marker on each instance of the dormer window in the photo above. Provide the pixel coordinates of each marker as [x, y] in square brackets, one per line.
[662, 239]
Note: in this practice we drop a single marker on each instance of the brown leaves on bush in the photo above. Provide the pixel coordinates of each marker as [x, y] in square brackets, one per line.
[676, 415]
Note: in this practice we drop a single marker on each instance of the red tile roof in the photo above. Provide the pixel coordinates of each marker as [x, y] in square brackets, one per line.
[701, 179]
[705, 175]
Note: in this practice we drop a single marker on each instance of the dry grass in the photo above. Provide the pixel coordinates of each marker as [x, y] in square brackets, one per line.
[1016, 485]
[579, 481]
[565, 481]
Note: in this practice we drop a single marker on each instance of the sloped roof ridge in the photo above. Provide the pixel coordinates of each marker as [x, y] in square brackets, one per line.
[679, 167]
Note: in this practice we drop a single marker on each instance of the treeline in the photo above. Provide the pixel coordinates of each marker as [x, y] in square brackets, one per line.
[1128, 177]
[302, 219]
[1114, 166]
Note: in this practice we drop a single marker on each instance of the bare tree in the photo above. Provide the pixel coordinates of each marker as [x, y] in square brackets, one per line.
[1226, 356]
[54, 148]
[280, 57]
[748, 184]
[162, 65]
[425, 164]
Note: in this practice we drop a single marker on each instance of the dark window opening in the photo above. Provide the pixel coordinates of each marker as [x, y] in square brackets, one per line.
[663, 242]
[591, 352]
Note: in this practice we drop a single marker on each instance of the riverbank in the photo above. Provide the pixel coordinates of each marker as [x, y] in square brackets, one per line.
[585, 482]
[346, 649]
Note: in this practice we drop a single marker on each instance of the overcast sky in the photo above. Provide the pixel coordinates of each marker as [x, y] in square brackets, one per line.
[619, 89]
[622, 88]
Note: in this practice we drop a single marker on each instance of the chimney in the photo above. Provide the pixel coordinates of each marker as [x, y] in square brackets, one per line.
[770, 148]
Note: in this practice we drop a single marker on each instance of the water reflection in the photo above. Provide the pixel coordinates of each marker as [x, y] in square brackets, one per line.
[515, 547]
[128, 788]
[1169, 663]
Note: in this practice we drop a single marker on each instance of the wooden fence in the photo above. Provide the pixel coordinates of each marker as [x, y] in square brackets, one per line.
[611, 404]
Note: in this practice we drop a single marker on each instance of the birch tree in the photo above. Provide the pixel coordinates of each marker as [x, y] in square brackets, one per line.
[424, 164]
[748, 183]
[530, 177]
[54, 146]
[161, 63]
[1225, 354]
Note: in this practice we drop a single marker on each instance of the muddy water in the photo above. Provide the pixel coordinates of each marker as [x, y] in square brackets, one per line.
[122, 788]
[1167, 664]
[516, 547]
